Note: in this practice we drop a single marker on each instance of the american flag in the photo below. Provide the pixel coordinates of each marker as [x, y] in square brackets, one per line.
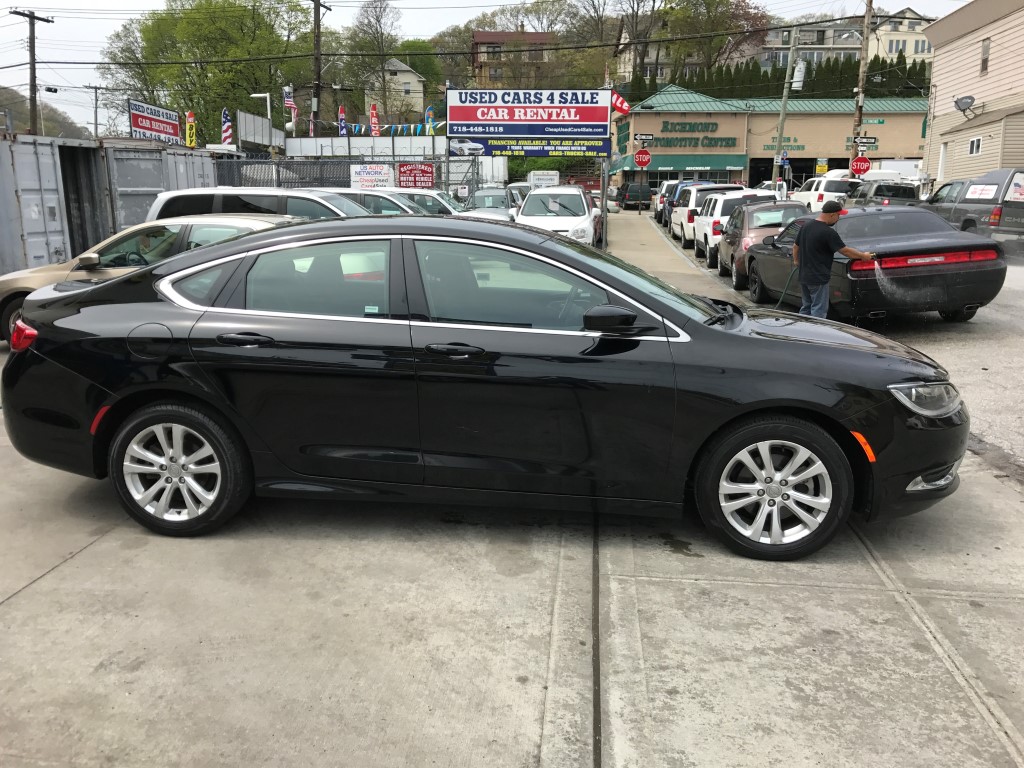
[619, 104]
[289, 102]
[227, 136]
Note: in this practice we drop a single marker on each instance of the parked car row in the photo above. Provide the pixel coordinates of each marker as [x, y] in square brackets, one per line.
[923, 264]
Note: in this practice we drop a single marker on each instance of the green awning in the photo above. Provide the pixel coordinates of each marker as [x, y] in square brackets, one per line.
[662, 162]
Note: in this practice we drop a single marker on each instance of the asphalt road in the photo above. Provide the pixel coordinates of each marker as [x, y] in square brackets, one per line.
[326, 634]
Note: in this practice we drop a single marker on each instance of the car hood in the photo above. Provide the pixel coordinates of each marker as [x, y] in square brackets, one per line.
[499, 214]
[789, 327]
[554, 222]
[48, 269]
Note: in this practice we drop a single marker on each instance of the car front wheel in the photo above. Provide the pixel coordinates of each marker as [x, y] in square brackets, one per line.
[177, 471]
[774, 488]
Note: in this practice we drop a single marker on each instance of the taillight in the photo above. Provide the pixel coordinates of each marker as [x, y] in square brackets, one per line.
[661, 199]
[746, 242]
[924, 260]
[690, 215]
[885, 202]
[716, 227]
[22, 336]
[996, 216]
[821, 197]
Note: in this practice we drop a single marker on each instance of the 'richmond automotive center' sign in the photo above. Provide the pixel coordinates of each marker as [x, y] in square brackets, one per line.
[548, 113]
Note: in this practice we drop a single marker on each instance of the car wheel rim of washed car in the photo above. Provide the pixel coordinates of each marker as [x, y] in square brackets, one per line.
[775, 492]
[172, 472]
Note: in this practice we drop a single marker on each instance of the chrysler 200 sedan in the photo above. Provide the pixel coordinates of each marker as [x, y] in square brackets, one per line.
[452, 360]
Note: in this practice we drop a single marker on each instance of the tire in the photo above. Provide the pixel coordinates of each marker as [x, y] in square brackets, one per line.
[723, 270]
[758, 293]
[739, 282]
[11, 314]
[192, 508]
[711, 254]
[774, 524]
[956, 316]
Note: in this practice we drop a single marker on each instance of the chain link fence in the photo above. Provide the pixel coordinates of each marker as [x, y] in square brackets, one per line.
[457, 175]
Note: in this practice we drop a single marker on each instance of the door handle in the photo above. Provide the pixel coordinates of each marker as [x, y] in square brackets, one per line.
[454, 351]
[245, 339]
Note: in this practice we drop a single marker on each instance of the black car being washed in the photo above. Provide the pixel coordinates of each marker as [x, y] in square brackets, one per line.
[923, 264]
[464, 361]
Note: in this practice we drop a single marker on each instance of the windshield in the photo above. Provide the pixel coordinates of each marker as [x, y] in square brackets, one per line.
[688, 305]
[840, 185]
[544, 204]
[490, 198]
[908, 222]
[899, 191]
[452, 202]
[413, 206]
[346, 206]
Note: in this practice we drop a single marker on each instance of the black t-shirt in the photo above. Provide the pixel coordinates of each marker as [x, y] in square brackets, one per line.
[817, 243]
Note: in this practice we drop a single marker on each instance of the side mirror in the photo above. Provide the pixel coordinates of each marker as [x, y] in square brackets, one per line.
[89, 261]
[770, 240]
[607, 318]
[595, 213]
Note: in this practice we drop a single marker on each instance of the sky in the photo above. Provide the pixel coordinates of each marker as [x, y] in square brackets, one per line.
[80, 34]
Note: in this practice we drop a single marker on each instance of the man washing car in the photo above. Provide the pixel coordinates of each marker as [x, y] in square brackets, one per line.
[813, 254]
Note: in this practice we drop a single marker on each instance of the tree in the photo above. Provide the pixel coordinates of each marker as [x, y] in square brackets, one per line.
[199, 31]
[427, 66]
[374, 35]
[52, 122]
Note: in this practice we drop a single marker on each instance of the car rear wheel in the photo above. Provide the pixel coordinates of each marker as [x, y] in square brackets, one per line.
[739, 282]
[758, 293]
[774, 488]
[958, 315]
[11, 315]
[177, 471]
[711, 253]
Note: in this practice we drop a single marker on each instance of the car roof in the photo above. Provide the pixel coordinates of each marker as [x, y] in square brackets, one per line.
[761, 205]
[561, 189]
[219, 218]
[295, 191]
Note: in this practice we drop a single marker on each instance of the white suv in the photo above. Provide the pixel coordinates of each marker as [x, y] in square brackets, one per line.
[688, 203]
[710, 222]
[817, 191]
[564, 210]
[665, 190]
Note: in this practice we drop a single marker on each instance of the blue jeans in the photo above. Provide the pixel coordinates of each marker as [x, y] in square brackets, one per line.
[815, 300]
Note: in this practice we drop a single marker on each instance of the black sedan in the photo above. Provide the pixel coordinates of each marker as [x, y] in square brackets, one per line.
[923, 264]
[452, 361]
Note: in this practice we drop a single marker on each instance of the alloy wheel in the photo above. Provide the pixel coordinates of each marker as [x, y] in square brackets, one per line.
[172, 472]
[775, 492]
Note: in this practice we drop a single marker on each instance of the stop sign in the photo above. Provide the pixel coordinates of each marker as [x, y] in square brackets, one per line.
[860, 165]
[642, 158]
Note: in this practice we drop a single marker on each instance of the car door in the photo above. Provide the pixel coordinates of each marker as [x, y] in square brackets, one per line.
[310, 345]
[776, 262]
[515, 396]
[944, 198]
[731, 236]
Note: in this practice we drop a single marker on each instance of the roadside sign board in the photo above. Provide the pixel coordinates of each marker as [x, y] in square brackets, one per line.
[865, 139]
[860, 165]
[642, 158]
[563, 113]
[874, 121]
[821, 166]
[416, 175]
[148, 121]
[190, 130]
[370, 175]
[643, 137]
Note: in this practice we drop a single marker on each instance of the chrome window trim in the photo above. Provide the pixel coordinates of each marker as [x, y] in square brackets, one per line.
[683, 337]
[165, 287]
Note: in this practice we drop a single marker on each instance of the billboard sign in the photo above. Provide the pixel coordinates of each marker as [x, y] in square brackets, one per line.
[531, 147]
[149, 121]
[416, 175]
[521, 113]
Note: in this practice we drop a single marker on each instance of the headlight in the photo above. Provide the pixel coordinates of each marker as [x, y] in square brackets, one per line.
[580, 233]
[936, 399]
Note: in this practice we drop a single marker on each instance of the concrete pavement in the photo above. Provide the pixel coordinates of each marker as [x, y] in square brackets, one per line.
[320, 634]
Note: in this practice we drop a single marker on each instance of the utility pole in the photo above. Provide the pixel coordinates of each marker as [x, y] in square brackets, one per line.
[33, 108]
[862, 76]
[316, 65]
[779, 132]
[95, 110]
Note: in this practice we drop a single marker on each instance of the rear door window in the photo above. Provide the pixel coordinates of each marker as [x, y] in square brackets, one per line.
[1015, 190]
[838, 185]
[187, 205]
[243, 203]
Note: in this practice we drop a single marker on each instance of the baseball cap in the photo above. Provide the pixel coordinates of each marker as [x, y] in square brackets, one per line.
[833, 207]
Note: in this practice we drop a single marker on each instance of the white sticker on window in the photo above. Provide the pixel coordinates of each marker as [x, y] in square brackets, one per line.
[371, 310]
[980, 192]
[1015, 192]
